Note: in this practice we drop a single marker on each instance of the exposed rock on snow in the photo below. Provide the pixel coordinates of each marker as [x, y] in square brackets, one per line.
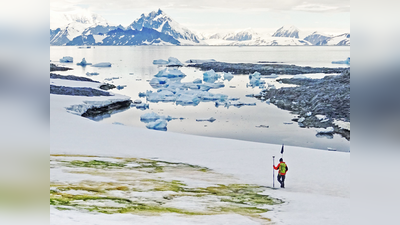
[53, 67]
[263, 69]
[71, 77]
[107, 86]
[77, 91]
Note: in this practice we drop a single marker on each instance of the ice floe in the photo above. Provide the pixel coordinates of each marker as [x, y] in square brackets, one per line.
[92, 74]
[159, 124]
[160, 62]
[83, 63]
[211, 119]
[255, 80]
[347, 61]
[170, 73]
[67, 59]
[327, 130]
[228, 76]
[102, 64]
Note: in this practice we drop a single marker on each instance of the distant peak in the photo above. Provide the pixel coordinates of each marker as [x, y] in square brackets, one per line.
[160, 12]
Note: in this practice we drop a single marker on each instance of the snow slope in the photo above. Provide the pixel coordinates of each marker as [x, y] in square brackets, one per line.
[317, 185]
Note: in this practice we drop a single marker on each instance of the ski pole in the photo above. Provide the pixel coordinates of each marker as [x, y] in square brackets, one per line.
[273, 172]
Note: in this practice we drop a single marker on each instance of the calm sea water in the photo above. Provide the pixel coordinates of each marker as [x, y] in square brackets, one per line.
[236, 123]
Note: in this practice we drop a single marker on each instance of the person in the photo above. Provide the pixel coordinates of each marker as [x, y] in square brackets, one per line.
[283, 168]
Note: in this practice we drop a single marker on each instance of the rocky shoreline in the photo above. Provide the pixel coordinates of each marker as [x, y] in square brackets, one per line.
[263, 69]
[54, 67]
[107, 109]
[319, 102]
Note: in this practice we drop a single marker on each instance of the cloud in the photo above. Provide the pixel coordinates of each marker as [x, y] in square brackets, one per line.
[222, 5]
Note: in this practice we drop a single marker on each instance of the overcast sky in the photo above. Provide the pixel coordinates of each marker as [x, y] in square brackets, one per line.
[208, 16]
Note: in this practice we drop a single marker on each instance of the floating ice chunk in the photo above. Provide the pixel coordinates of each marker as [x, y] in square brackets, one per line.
[198, 61]
[160, 62]
[255, 75]
[102, 64]
[309, 114]
[170, 73]
[347, 61]
[92, 74]
[147, 117]
[137, 101]
[159, 124]
[120, 87]
[327, 130]
[174, 62]
[228, 76]
[83, 63]
[67, 59]
[141, 106]
[211, 119]
[197, 81]
[301, 120]
[187, 99]
[158, 82]
[211, 74]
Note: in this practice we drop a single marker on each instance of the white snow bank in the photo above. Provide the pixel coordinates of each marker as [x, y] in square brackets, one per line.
[342, 124]
[67, 59]
[102, 64]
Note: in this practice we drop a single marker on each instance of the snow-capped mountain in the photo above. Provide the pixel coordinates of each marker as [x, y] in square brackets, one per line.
[77, 25]
[145, 36]
[317, 37]
[243, 35]
[342, 39]
[289, 31]
[161, 22]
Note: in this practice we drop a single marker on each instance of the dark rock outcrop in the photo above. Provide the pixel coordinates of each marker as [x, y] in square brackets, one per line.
[54, 67]
[71, 77]
[77, 91]
[264, 69]
[107, 86]
[108, 109]
[329, 96]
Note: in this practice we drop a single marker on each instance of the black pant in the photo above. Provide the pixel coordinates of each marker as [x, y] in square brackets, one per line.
[281, 179]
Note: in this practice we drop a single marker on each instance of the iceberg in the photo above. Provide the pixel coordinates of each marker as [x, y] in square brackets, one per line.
[159, 124]
[158, 82]
[92, 74]
[228, 76]
[211, 74]
[170, 73]
[255, 80]
[160, 62]
[347, 61]
[211, 119]
[174, 62]
[147, 117]
[120, 87]
[102, 64]
[197, 81]
[83, 63]
[67, 59]
[187, 99]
